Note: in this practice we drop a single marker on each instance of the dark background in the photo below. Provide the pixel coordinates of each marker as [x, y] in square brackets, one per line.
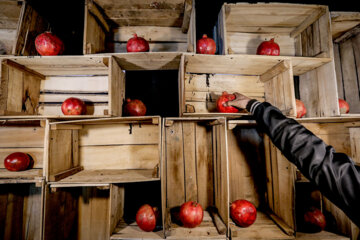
[67, 17]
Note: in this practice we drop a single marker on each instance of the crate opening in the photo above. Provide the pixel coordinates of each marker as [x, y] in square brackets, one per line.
[157, 89]
[38, 86]
[24, 136]
[168, 26]
[82, 211]
[20, 213]
[198, 148]
[206, 77]
[105, 151]
[248, 179]
[126, 201]
[300, 30]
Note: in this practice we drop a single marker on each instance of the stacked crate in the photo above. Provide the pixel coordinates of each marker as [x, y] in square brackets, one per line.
[92, 172]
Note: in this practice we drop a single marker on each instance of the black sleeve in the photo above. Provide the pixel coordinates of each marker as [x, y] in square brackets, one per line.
[335, 174]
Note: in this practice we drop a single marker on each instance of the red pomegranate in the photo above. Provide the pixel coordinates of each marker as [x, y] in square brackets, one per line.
[73, 106]
[268, 48]
[48, 44]
[17, 161]
[243, 212]
[137, 44]
[344, 106]
[225, 97]
[146, 217]
[300, 109]
[206, 45]
[314, 220]
[134, 107]
[191, 214]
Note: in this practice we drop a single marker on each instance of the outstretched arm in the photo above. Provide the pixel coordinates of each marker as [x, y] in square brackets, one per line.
[335, 174]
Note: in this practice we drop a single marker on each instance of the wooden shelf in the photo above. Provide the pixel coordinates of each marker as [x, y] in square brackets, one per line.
[206, 230]
[111, 176]
[28, 176]
[132, 231]
[323, 235]
[263, 228]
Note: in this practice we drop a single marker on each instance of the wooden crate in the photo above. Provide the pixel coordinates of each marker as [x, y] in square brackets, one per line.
[334, 132]
[10, 13]
[26, 136]
[21, 210]
[169, 25]
[260, 176]
[195, 168]
[346, 36]
[38, 85]
[204, 78]
[112, 208]
[304, 35]
[112, 150]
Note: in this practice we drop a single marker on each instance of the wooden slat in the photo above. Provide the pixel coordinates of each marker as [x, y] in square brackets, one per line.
[247, 43]
[350, 75]
[190, 161]
[175, 186]
[21, 137]
[187, 15]
[27, 174]
[94, 35]
[22, 68]
[263, 228]
[7, 40]
[323, 235]
[204, 166]
[116, 88]
[115, 134]
[99, 16]
[278, 69]
[338, 70]
[155, 47]
[191, 34]
[124, 230]
[117, 203]
[9, 14]
[150, 33]
[119, 157]
[75, 84]
[342, 22]
[92, 109]
[315, 15]
[110, 176]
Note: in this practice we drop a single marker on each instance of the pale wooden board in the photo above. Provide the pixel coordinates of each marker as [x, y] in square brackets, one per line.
[342, 22]
[204, 167]
[95, 203]
[119, 157]
[339, 78]
[150, 33]
[350, 78]
[117, 202]
[153, 47]
[22, 137]
[27, 174]
[149, 61]
[94, 35]
[116, 88]
[75, 84]
[261, 15]
[114, 134]
[111, 176]
[140, 4]
[303, 65]
[37, 155]
[206, 230]
[7, 40]
[132, 231]
[247, 43]
[92, 109]
[65, 65]
[263, 228]
[174, 165]
[60, 97]
[242, 159]
[323, 235]
[60, 151]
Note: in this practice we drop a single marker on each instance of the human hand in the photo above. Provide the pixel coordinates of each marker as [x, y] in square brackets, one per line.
[240, 101]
